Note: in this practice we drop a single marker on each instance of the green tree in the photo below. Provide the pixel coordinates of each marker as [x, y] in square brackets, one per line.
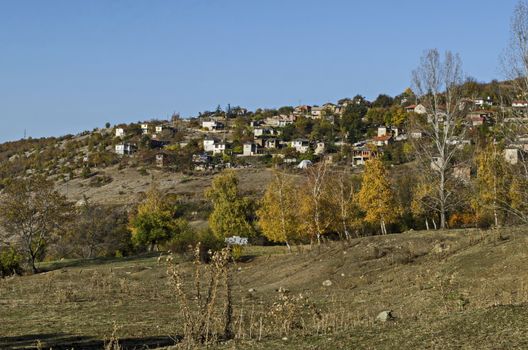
[376, 197]
[154, 221]
[231, 212]
[33, 214]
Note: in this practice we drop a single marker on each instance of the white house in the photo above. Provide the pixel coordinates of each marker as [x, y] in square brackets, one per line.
[320, 148]
[382, 131]
[125, 148]
[159, 129]
[271, 143]
[511, 155]
[317, 112]
[119, 132]
[250, 149]
[300, 145]
[214, 146]
[212, 125]
[145, 128]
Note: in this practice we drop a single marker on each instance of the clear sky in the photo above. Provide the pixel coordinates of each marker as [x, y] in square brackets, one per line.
[72, 65]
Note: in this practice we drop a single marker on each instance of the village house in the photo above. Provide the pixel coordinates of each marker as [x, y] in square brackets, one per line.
[383, 140]
[212, 125]
[360, 155]
[300, 145]
[161, 160]
[280, 121]
[119, 132]
[271, 143]
[418, 109]
[519, 104]
[511, 155]
[250, 149]
[258, 131]
[302, 110]
[214, 146]
[317, 112]
[320, 148]
[145, 129]
[125, 148]
[477, 118]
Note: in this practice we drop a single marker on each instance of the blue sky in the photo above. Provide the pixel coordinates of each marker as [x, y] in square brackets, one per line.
[72, 65]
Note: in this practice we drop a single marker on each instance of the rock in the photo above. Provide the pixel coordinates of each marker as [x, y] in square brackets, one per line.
[342, 275]
[327, 283]
[385, 316]
[285, 338]
[252, 290]
[282, 290]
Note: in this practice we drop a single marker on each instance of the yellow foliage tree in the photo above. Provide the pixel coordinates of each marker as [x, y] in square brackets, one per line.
[278, 215]
[376, 197]
[492, 182]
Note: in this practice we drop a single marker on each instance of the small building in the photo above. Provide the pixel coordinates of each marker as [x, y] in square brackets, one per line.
[519, 104]
[511, 155]
[320, 148]
[250, 149]
[361, 155]
[382, 131]
[159, 129]
[317, 112]
[271, 143]
[119, 132]
[145, 129]
[214, 146]
[161, 160]
[382, 140]
[125, 149]
[212, 125]
[300, 145]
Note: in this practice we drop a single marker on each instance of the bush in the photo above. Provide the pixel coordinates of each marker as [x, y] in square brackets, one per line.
[185, 242]
[10, 262]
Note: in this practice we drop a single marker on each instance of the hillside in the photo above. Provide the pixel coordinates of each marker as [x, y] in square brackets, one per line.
[447, 290]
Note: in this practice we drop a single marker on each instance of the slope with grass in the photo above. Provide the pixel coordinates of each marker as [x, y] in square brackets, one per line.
[453, 289]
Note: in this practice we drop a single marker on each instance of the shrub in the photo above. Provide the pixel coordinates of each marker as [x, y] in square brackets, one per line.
[185, 242]
[10, 262]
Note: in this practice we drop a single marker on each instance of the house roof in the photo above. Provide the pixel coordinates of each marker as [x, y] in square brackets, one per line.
[382, 138]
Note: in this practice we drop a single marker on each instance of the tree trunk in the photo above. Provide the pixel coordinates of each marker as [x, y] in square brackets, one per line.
[426, 224]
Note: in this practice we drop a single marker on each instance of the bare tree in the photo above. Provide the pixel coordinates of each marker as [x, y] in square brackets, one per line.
[437, 82]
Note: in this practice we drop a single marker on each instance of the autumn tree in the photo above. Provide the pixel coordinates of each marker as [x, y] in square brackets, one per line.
[376, 197]
[98, 230]
[155, 222]
[492, 181]
[33, 215]
[437, 82]
[343, 201]
[314, 205]
[278, 213]
[231, 211]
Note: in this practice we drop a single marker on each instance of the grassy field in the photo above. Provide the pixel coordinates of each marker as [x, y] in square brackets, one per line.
[447, 290]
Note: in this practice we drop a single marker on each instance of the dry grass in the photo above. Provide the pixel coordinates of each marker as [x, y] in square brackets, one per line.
[450, 289]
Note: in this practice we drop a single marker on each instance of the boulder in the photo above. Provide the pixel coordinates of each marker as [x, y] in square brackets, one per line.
[385, 316]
